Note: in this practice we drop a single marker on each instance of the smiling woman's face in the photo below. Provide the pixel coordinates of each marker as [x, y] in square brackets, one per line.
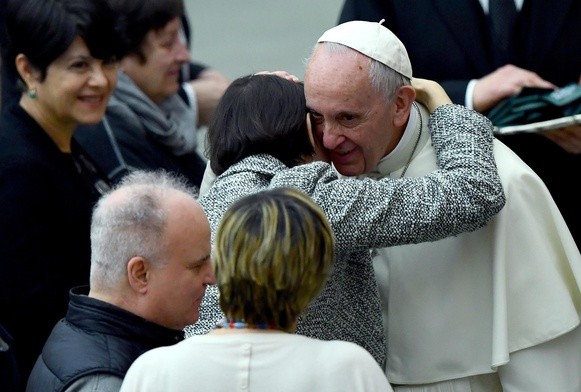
[76, 89]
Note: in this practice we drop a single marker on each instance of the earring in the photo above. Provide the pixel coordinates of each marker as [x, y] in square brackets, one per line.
[32, 93]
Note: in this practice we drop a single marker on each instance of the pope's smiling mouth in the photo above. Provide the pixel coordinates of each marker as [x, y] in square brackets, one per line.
[341, 155]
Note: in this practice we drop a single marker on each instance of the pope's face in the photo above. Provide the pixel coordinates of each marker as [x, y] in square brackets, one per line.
[351, 119]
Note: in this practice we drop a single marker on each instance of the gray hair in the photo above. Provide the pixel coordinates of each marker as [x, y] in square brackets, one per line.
[382, 78]
[131, 225]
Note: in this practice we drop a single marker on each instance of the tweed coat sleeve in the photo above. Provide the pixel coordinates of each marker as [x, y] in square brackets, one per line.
[462, 196]
[365, 213]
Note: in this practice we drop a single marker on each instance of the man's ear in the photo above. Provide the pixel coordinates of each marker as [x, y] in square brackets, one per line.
[403, 99]
[138, 270]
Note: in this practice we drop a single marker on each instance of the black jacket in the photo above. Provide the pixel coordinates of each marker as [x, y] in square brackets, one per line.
[95, 337]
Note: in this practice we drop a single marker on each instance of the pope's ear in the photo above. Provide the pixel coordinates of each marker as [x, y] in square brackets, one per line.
[138, 273]
[403, 100]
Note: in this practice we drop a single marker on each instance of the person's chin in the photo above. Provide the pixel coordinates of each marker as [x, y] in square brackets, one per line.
[347, 168]
[171, 90]
[349, 172]
[173, 84]
[91, 118]
[194, 317]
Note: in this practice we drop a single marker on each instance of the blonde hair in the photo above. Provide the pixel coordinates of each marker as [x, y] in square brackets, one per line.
[272, 255]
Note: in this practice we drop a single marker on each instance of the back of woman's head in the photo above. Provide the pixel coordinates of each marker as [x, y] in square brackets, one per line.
[143, 16]
[259, 114]
[272, 255]
[44, 29]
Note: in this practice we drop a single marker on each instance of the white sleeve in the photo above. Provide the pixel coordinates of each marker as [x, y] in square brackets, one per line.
[469, 97]
[207, 180]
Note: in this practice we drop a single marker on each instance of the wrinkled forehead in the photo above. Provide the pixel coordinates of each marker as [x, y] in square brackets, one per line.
[337, 78]
[336, 67]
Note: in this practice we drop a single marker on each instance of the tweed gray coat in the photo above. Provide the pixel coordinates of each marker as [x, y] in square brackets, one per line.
[367, 214]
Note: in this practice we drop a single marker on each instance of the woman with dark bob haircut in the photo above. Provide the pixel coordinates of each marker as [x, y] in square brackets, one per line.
[63, 55]
[273, 253]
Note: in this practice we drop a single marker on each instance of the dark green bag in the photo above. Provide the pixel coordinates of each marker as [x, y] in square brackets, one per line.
[535, 104]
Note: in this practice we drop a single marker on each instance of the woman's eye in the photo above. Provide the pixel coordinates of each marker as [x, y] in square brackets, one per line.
[79, 65]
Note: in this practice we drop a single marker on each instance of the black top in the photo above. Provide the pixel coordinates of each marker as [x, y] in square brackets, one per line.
[45, 207]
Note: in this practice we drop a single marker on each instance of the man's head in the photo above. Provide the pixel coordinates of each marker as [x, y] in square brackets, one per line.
[273, 252]
[157, 48]
[150, 253]
[357, 87]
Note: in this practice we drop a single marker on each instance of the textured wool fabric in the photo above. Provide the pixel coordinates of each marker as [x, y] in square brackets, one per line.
[367, 214]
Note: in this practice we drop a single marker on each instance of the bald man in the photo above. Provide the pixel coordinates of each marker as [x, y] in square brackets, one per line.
[150, 266]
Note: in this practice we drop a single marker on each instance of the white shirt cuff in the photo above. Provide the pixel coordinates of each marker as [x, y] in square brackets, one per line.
[469, 98]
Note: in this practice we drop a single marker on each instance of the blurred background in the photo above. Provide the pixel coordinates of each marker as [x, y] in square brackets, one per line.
[239, 37]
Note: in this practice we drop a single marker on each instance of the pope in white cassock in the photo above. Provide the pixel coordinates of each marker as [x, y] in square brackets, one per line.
[497, 309]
